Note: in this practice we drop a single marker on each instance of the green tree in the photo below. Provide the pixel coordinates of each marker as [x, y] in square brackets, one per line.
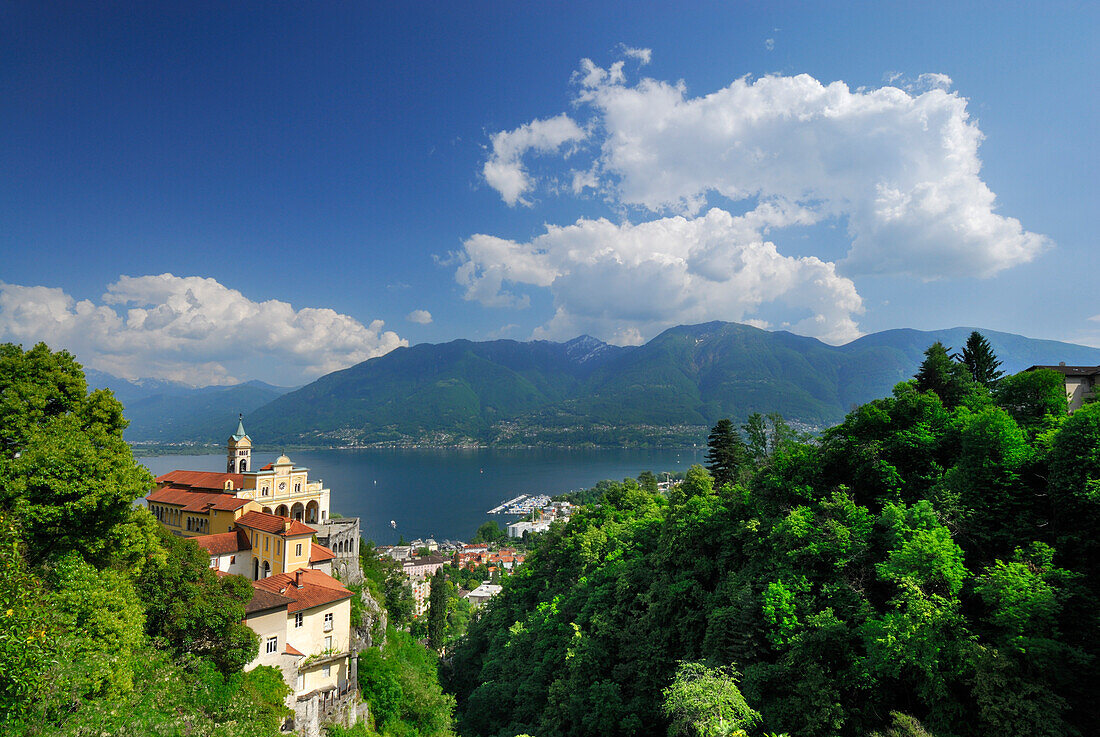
[1035, 399]
[26, 633]
[437, 611]
[706, 702]
[399, 598]
[489, 532]
[980, 360]
[648, 481]
[66, 474]
[102, 621]
[950, 380]
[725, 453]
[756, 430]
[196, 611]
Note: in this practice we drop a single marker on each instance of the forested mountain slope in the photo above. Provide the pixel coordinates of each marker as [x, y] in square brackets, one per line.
[667, 391]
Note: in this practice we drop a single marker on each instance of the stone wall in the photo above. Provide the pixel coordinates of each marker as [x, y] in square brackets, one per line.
[341, 536]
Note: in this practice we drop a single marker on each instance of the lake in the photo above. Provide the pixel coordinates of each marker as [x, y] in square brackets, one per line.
[445, 493]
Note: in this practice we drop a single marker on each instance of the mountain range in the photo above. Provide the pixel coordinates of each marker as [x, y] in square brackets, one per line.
[668, 391]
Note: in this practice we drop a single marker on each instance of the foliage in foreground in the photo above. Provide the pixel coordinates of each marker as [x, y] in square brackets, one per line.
[107, 626]
[930, 566]
[401, 685]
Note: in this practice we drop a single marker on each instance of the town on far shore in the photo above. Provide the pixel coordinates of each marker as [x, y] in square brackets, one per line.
[274, 525]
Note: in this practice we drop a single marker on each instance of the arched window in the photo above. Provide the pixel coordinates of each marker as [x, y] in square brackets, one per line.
[244, 465]
[255, 569]
[267, 569]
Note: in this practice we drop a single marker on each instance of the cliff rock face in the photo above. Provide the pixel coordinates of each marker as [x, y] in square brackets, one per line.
[372, 632]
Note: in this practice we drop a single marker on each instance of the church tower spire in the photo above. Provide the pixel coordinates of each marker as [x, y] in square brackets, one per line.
[238, 450]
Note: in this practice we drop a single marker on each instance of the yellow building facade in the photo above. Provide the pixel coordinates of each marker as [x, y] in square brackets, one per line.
[193, 503]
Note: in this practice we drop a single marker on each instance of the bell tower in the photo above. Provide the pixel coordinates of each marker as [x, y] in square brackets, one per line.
[239, 450]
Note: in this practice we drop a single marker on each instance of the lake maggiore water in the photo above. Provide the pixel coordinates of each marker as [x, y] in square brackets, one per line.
[446, 493]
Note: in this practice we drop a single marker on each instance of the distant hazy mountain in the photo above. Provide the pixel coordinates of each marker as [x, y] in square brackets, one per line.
[586, 391]
[170, 412]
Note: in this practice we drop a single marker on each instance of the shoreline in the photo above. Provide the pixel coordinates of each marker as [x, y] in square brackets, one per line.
[143, 450]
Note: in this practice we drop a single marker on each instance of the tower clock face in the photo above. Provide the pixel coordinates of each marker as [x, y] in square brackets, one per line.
[282, 486]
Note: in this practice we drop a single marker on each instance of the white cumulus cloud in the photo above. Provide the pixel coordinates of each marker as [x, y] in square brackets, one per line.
[420, 317]
[897, 167]
[505, 172]
[627, 282]
[190, 329]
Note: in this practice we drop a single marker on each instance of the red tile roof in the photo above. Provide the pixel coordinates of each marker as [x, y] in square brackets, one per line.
[319, 553]
[308, 587]
[196, 501]
[291, 650]
[204, 480]
[274, 524]
[262, 600]
[224, 542]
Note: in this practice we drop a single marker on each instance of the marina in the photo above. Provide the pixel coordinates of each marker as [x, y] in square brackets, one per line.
[522, 504]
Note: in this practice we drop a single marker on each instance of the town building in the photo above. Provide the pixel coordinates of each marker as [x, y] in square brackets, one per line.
[483, 593]
[1080, 382]
[421, 591]
[423, 567]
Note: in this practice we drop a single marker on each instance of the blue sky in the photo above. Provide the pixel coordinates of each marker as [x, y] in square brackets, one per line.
[220, 192]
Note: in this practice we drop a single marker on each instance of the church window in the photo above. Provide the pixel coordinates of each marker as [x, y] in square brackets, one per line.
[297, 488]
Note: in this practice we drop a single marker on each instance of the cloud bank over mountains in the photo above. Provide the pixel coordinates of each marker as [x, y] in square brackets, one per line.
[897, 166]
[190, 329]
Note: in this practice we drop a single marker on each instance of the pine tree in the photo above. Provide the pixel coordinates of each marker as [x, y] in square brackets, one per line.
[725, 453]
[437, 611]
[948, 379]
[980, 360]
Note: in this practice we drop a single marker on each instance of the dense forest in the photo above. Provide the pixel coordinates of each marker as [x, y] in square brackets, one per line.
[926, 567]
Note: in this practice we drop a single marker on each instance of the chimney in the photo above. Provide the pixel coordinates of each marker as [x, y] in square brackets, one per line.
[286, 525]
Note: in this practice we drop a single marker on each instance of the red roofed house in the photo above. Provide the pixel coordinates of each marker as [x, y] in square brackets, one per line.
[304, 623]
[301, 614]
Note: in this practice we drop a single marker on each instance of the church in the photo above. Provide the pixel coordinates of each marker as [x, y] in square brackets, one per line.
[192, 503]
[200, 503]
